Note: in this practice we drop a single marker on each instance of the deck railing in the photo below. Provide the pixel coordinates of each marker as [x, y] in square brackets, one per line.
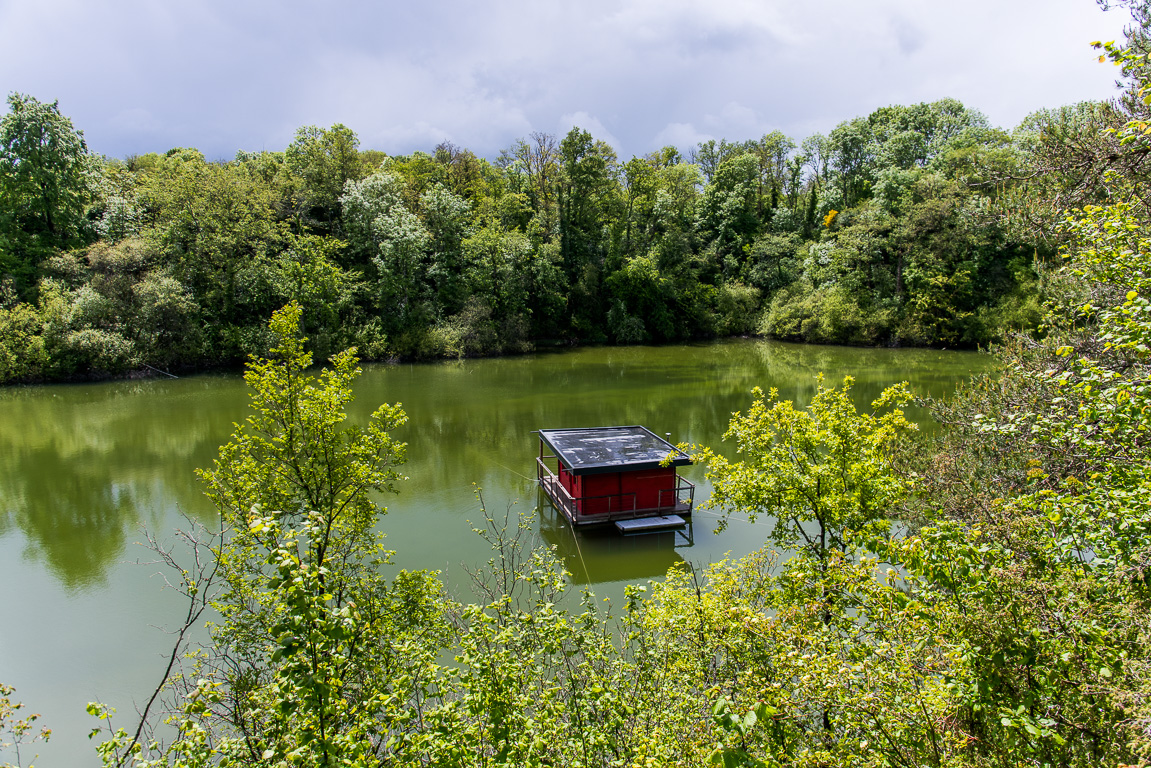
[682, 495]
[679, 499]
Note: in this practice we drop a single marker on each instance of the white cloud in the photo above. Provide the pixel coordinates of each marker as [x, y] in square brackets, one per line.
[683, 136]
[588, 123]
[399, 106]
[735, 119]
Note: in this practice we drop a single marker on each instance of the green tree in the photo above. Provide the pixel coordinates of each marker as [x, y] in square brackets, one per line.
[47, 180]
[827, 474]
[23, 356]
[395, 242]
[323, 161]
[295, 455]
[216, 225]
[1036, 548]
[449, 224]
[308, 273]
[852, 160]
[773, 151]
[645, 301]
[588, 178]
[639, 181]
[727, 217]
[786, 683]
[309, 623]
[499, 274]
[587, 194]
[466, 176]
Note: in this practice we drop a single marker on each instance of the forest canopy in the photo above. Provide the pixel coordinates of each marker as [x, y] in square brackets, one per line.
[899, 228]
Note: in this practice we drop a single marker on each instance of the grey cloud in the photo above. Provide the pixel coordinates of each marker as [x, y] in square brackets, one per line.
[142, 76]
[908, 36]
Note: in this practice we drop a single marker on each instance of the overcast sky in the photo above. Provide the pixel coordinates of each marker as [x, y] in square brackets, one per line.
[221, 75]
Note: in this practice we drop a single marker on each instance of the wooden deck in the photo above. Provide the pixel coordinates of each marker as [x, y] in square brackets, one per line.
[565, 503]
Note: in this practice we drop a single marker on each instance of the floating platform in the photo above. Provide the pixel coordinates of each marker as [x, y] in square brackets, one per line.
[600, 475]
[649, 524]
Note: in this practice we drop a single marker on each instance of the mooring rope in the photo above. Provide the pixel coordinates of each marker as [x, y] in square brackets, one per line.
[157, 370]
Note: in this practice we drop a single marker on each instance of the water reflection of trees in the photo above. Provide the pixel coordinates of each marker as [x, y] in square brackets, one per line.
[85, 466]
[464, 417]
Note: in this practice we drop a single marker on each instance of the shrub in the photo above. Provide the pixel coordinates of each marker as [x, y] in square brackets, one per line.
[737, 309]
[22, 352]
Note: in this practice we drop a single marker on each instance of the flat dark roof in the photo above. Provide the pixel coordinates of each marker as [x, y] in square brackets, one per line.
[610, 449]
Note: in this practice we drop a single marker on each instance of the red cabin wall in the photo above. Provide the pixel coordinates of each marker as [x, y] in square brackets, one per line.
[647, 485]
[571, 483]
[617, 492]
[568, 480]
[601, 494]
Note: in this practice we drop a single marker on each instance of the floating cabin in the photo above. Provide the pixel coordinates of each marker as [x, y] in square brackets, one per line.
[602, 475]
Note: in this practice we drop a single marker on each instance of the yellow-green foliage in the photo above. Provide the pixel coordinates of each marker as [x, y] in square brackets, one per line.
[17, 732]
[827, 464]
[788, 682]
[22, 353]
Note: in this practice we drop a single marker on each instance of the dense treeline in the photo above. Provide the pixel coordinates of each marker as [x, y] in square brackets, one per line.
[892, 229]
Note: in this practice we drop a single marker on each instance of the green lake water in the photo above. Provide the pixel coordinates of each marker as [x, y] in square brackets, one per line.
[84, 468]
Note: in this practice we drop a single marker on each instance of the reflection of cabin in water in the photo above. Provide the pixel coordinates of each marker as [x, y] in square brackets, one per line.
[599, 554]
[615, 475]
